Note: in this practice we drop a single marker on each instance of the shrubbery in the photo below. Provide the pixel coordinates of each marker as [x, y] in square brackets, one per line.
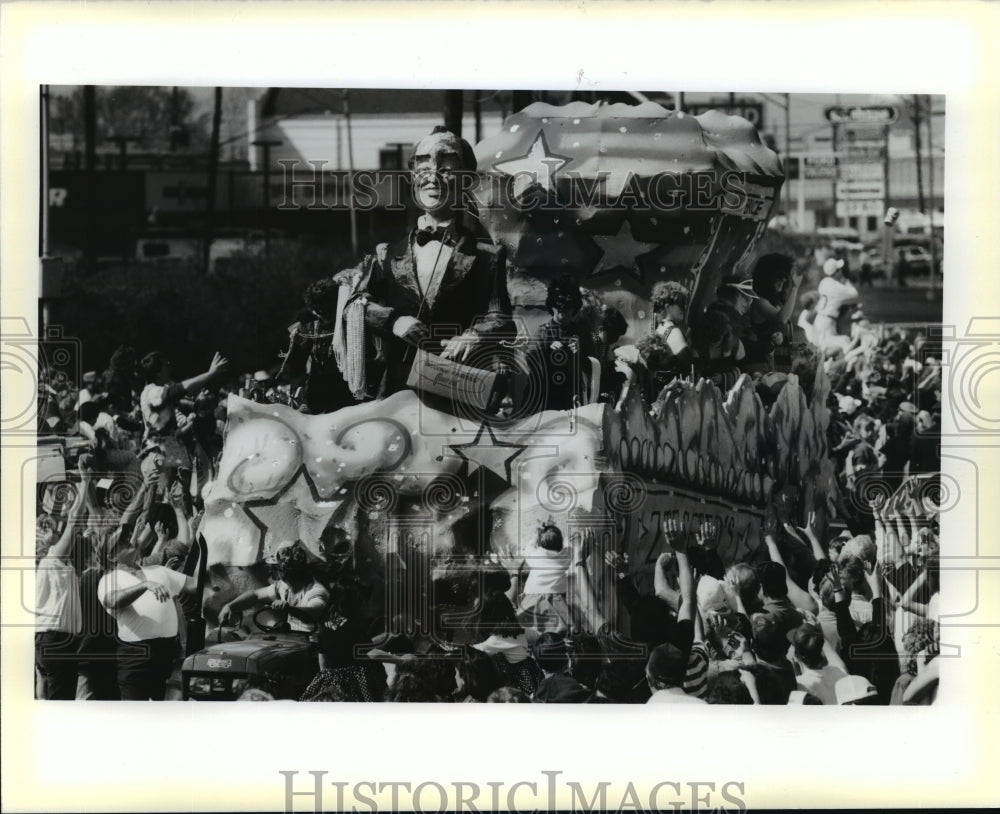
[242, 311]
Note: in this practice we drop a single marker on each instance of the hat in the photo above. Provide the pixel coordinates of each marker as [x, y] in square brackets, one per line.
[908, 407]
[90, 376]
[744, 287]
[854, 689]
[832, 266]
[711, 596]
[667, 665]
[261, 376]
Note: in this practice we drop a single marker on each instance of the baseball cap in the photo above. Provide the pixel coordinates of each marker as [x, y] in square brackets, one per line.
[908, 407]
[262, 376]
[832, 266]
[854, 690]
[667, 664]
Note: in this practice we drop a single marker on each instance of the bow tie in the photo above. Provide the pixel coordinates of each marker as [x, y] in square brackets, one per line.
[441, 233]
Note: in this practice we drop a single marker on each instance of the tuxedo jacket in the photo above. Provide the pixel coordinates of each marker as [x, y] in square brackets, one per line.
[472, 296]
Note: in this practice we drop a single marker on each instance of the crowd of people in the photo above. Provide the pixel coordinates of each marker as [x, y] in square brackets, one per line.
[820, 615]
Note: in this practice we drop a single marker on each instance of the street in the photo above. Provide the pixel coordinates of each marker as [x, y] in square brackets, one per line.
[889, 303]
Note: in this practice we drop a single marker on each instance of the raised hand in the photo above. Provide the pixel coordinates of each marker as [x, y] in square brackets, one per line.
[219, 364]
[674, 533]
[707, 534]
[617, 561]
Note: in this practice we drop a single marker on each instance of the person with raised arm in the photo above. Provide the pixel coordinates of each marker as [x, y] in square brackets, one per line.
[141, 600]
[668, 663]
[58, 612]
[164, 422]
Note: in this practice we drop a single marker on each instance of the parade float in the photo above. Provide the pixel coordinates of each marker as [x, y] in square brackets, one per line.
[621, 197]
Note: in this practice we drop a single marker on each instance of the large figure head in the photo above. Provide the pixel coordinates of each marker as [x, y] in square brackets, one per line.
[438, 163]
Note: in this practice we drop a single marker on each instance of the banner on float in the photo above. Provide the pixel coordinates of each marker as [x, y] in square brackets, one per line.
[642, 530]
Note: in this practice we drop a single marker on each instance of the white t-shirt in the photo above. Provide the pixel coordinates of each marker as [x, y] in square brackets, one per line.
[674, 695]
[832, 295]
[822, 683]
[548, 570]
[147, 617]
[57, 597]
[158, 407]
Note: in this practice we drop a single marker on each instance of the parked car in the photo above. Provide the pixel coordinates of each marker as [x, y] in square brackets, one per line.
[915, 259]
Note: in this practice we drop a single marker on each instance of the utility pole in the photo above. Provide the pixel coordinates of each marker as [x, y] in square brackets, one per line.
[350, 176]
[43, 247]
[43, 234]
[930, 159]
[917, 121]
[453, 109]
[788, 158]
[266, 145]
[213, 169]
[89, 173]
[123, 143]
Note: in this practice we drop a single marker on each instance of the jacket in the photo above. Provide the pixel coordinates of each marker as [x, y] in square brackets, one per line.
[472, 296]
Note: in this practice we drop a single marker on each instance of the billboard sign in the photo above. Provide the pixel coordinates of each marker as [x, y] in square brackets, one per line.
[875, 114]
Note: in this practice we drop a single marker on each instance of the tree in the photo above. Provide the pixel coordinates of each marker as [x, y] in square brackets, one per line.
[163, 118]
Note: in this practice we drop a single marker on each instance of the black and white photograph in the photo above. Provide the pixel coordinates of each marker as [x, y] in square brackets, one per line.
[373, 393]
[551, 397]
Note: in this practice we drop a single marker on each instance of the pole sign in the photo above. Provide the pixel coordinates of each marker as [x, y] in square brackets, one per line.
[854, 190]
[871, 171]
[876, 114]
[853, 209]
[864, 153]
[820, 166]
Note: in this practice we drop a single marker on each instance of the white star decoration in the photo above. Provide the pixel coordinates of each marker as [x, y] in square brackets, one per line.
[496, 456]
[538, 166]
[620, 250]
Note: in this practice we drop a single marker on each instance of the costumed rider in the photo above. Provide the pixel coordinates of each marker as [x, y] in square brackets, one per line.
[317, 349]
[720, 332]
[441, 288]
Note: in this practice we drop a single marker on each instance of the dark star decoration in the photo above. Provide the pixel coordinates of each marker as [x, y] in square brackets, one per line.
[301, 476]
[620, 253]
[495, 456]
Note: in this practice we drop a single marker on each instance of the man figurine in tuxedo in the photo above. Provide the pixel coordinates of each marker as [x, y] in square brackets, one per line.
[442, 287]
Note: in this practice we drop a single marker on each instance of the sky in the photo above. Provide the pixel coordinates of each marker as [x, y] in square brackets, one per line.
[806, 109]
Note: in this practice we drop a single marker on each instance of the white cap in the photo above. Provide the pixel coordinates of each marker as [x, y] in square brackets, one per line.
[832, 266]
